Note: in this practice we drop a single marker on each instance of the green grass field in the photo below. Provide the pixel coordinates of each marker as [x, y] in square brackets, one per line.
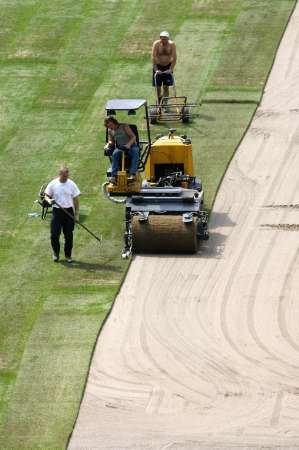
[59, 63]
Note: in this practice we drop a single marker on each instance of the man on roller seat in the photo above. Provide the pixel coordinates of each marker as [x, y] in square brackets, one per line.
[121, 139]
[164, 60]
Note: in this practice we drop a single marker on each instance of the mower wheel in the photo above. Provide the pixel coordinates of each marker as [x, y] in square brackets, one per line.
[185, 115]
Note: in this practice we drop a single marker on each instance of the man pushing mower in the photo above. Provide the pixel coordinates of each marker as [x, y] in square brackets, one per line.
[164, 60]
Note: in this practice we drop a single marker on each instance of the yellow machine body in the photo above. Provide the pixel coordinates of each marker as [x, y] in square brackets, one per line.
[169, 154]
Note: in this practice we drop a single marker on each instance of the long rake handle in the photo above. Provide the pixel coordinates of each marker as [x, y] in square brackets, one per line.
[79, 223]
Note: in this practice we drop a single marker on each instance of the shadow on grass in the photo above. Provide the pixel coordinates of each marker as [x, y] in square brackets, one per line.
[92, 267]
[82, 217]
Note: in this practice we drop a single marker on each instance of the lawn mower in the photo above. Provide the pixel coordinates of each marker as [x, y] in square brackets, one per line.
[172, 108]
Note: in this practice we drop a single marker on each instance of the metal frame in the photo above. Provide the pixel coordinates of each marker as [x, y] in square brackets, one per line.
[163, 110]
[118, 104]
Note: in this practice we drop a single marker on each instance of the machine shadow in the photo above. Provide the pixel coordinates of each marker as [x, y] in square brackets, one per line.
[212, 248]
[220, 219]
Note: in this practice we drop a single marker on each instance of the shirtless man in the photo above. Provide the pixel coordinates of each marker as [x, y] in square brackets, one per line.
[164, 59]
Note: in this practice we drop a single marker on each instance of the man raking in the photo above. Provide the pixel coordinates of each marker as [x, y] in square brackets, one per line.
[63, 195]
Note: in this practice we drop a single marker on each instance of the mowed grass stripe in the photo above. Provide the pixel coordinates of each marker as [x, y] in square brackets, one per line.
[54, 86]
[248, 52]
[31, 277]
[86, 126]
[59, 342]
[198, 54]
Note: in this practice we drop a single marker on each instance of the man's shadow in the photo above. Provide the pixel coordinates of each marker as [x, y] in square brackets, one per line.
[92, 267]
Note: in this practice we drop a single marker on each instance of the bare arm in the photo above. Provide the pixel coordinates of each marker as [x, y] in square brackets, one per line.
[131, 135]
[48, 199]
[154, 55]
[77, 206]
[110, 139]
[173, 62]
[49, 194]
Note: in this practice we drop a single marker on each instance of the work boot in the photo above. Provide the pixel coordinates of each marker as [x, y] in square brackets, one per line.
[131, 178]
[113, 180]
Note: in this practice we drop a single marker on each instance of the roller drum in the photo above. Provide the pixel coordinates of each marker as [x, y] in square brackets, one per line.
[164, 234]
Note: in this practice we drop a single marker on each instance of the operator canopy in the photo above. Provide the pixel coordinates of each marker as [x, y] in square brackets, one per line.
[123, 104]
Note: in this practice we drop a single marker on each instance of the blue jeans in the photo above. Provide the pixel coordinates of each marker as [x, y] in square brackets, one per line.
[133, 154]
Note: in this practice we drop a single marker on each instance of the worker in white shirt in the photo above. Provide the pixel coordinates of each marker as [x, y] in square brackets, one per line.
[63, 194]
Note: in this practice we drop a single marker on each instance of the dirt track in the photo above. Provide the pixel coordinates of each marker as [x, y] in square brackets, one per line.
[203, 352]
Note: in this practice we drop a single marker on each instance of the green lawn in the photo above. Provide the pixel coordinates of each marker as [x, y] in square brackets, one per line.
[60, 60]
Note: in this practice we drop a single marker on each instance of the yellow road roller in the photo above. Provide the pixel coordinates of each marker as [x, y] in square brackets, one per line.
[164, 211]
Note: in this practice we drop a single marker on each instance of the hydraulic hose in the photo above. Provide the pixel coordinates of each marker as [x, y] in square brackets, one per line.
[107, 195]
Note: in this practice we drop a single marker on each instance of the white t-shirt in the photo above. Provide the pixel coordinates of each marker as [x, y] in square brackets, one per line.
[63, 193]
